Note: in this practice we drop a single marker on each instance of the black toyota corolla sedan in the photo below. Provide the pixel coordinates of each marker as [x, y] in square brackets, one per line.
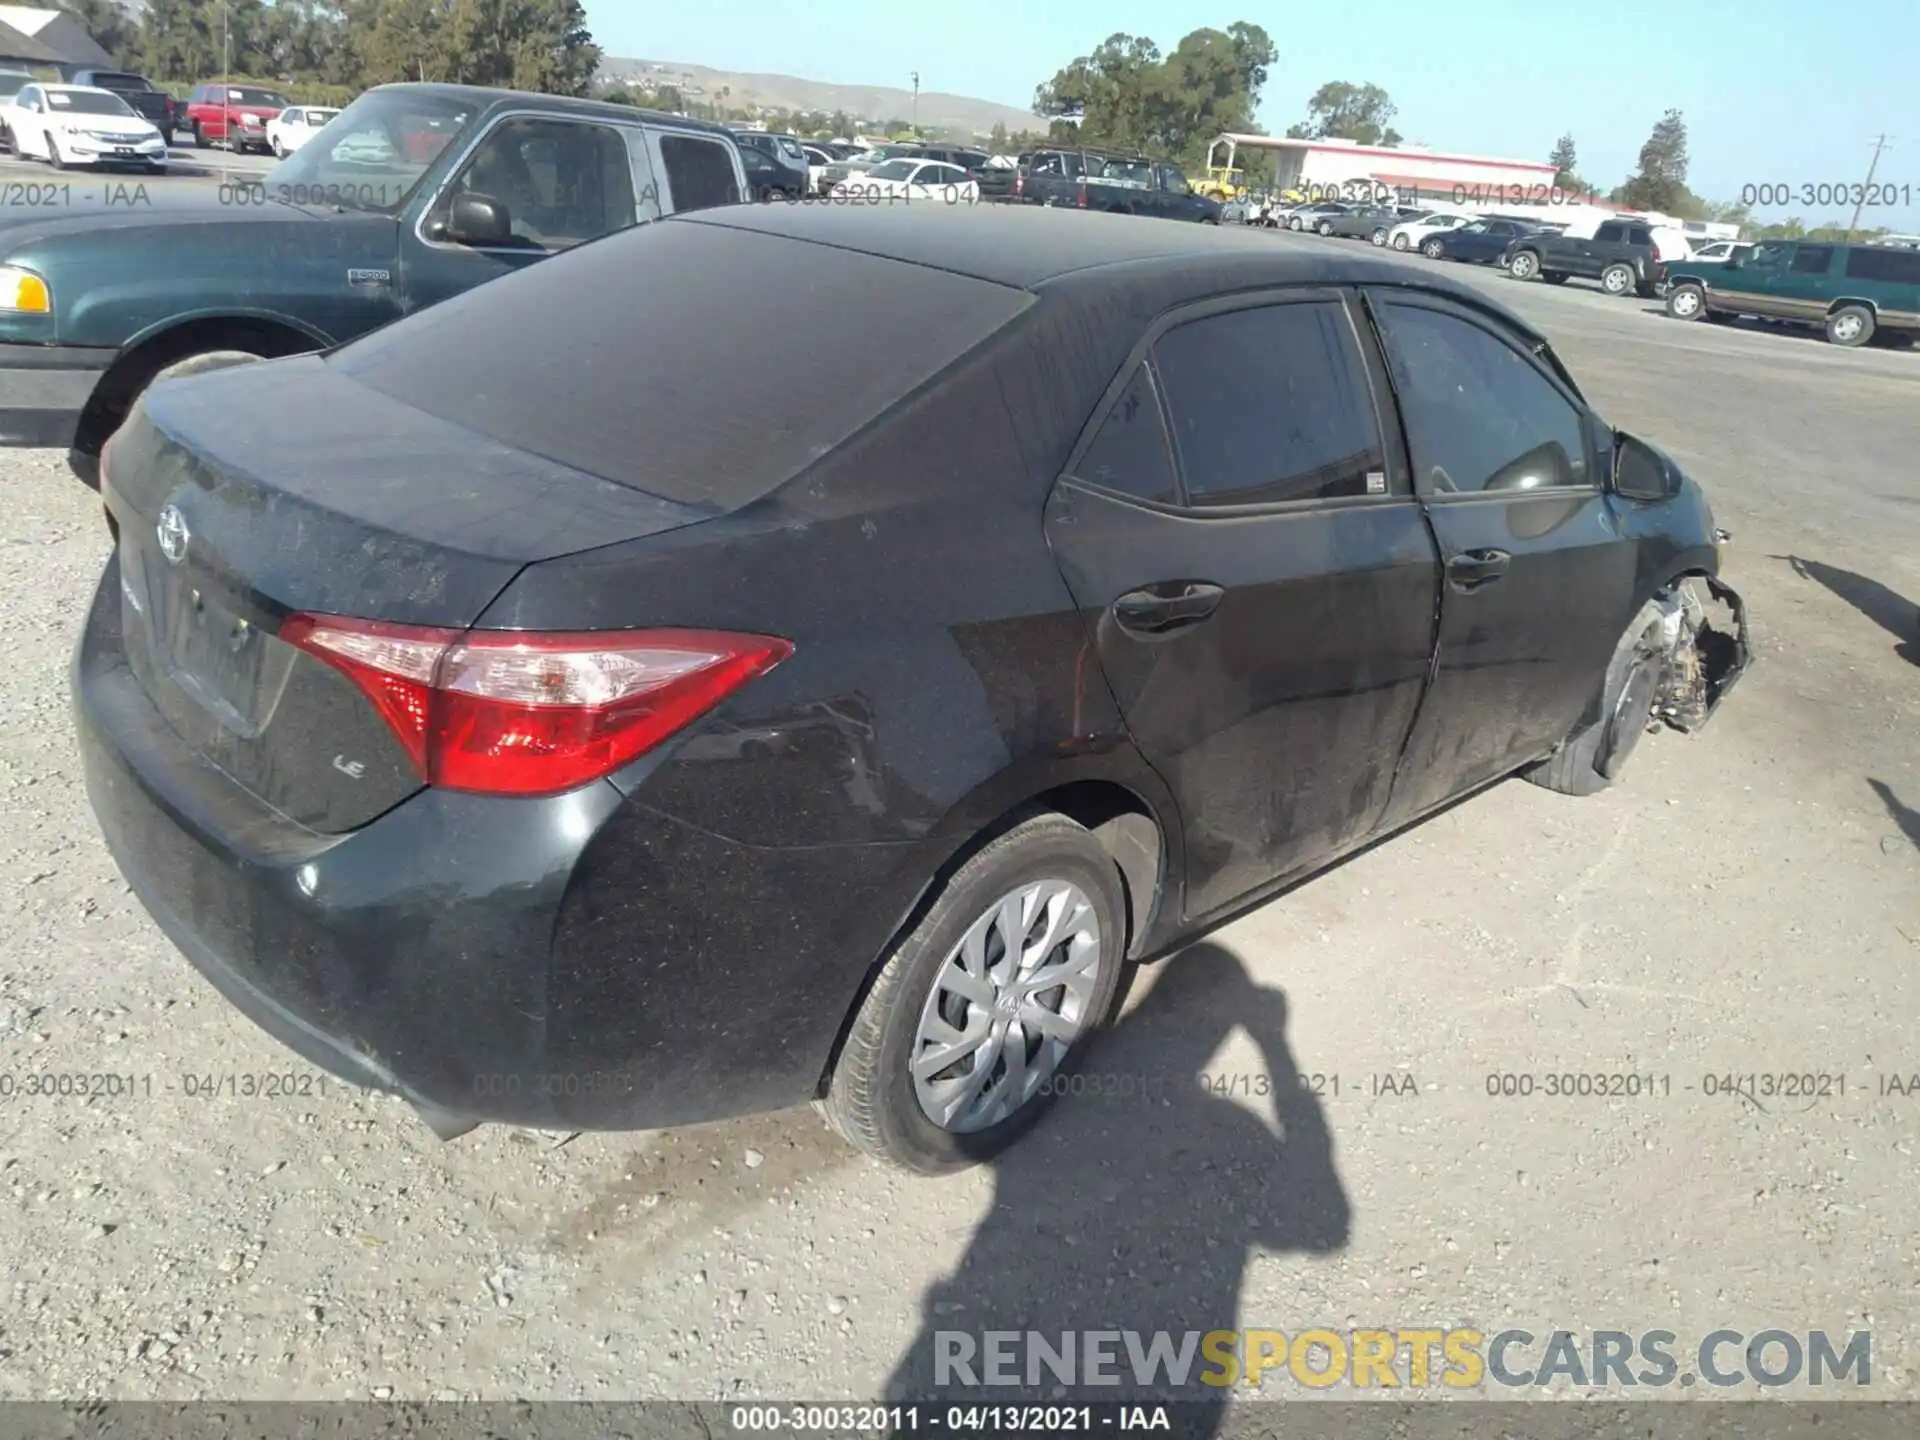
[503, 717]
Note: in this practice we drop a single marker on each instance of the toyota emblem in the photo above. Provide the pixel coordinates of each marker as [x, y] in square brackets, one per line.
[173, 535]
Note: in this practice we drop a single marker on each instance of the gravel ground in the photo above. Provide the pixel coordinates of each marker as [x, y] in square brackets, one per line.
[1746, 902]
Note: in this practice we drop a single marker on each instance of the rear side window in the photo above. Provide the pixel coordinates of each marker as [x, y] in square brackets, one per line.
[1271, 404]
[627, 358]
[1610, 232]
[699, 172]
[1639, 235]
[1130, 453]
[1812, 259]
[1902, 267]
[1479, 415]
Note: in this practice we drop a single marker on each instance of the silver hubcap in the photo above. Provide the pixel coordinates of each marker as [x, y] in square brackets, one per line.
[1006, 1006]
[1399, 242]
[1685, 302]
[1523, 266]
[1846, 327]
[1616, 282]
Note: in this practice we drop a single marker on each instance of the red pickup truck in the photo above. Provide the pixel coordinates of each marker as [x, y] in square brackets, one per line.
[233, 115]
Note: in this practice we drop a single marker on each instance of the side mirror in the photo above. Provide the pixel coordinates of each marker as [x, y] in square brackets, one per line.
[1641, 472]
[480, 221]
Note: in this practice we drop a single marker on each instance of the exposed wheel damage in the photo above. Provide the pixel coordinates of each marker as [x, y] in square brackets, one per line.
[1708, 652]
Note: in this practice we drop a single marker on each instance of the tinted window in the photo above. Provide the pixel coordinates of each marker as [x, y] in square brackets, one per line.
[1812, 259]
[114, 80]
[1640, 235]
[699, 172]
[1610, 231]
[1877, 263]
[629, 357]
[1270, 404]
[1130, 453]
[1479, 415]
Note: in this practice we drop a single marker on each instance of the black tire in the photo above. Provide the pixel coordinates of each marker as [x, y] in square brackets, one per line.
[1850, 325]
[1434, 249]
[870, 1098]
[1554, 277]
[1325, 227]
[1687, 301]
[199, 137]
[1619, 280]
[279, 150]
[54, 157]
[1626, 707]
[1379, 237]
[1401, 243]
[1525, 265]
[127, 388]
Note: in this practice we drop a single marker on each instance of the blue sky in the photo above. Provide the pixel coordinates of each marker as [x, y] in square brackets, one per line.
[1772, 92]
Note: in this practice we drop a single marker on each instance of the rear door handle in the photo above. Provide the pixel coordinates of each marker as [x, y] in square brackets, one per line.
[1475, 568]
[1166, 607]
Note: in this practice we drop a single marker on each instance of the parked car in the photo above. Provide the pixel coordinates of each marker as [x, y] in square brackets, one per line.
[546, 755]
[1627, 257]
[1361, 222]
[143, 97]
[1314, 214]
[1853, 292]
[10, 83]
[818, 160]
[776, 165]
[1715, 252]
[233, 115]
[292, 127]
[859, 164]
[1482, 242]
[1409, 234]
[1114, 181]
[909, 180]
[347, 233]
[998, 179]
[69, 125]
[1401, 215]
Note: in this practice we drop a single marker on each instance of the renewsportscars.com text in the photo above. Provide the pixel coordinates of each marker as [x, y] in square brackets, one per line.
[1409, 1358]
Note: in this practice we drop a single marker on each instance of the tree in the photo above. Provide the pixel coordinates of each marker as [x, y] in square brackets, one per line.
[997, 139]
[113, 28]
[1563, 160]
[1340, 111]
[1660, 184]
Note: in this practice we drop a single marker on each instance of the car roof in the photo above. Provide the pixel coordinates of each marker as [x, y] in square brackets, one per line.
[1034, 247]
[491, 95]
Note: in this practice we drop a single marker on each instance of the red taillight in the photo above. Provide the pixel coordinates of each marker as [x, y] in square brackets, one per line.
[514, 712]
[1080, 195]
[1019, 182]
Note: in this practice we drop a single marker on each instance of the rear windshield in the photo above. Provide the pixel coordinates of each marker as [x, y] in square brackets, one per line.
[690, 360]
[114, 80]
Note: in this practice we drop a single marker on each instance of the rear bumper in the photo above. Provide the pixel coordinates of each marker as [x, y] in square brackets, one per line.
[574, 962]
[44, 389]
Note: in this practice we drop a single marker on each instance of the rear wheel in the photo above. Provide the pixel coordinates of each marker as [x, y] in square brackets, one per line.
[1400, 242]
[1687, 302]
[1434, 249]
[986, 1003]
[1325, 227]
[1618, 280]
[1525, 265]
[1850, 325]
[1590, 759]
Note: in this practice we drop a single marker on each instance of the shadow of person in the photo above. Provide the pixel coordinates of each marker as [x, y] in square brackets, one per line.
[1887, 608]
[1137, 1204]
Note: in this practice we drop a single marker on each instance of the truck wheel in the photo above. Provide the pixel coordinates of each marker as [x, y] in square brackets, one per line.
[1525, 265]
[1850, 325]
[997, 992]
[1687, 302]
[1590, 759]
[199, 137]
[1618, 280]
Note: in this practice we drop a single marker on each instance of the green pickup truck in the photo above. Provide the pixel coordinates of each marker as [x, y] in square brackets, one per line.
[411, 194]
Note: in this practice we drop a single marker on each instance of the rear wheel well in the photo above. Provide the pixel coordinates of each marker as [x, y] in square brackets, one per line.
[113, 397]
[1122, 823]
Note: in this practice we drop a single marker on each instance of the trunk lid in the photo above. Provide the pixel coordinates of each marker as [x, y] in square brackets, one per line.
[241, 497]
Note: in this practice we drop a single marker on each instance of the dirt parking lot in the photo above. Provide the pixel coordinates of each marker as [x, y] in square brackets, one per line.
[1746, 904]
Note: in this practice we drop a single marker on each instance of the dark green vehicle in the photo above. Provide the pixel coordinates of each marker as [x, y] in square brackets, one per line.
[411, 194]
[1851, 291]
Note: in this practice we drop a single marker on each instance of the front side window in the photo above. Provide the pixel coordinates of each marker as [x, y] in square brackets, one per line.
[1479, 415]
[376, 156]
[562, 182]
[1768, 255]
[1271, 405]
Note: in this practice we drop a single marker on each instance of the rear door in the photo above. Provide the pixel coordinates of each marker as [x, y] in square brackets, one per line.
[693, 172]
[1538, 582]
[562, 181]
[1258, 581]
[1808, 287]
[1607, 245]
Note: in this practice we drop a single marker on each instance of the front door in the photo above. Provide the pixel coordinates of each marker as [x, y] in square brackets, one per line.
[1538, 582]
[1258, 583]
[1751, 286]
[559, 181]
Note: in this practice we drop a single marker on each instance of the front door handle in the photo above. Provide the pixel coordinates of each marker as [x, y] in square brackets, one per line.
[1168, 606]
[1475, 568]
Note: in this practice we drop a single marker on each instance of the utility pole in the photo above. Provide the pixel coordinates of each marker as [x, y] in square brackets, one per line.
[916, 104]
[1854, 224]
